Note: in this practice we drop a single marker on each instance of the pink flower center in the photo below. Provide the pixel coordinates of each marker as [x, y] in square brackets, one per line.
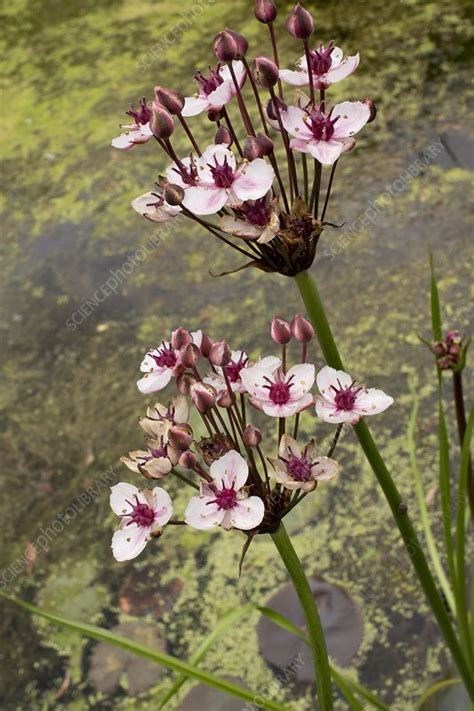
[188, 175]
[160, 451]
[257, 213]
[320, 59]
[299, 468]
[210, 83]
[279, 390]
[141, 115]
[234, 368]
[165, 358]
[345, 398]
[225, 498]
[141, 514]
[321, 125]
[223, 175]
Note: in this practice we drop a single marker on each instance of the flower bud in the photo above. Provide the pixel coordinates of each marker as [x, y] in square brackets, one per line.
[185, 383]
[453, 337]
[189, 355]
[372, 109]
[301, 329]
[252, 436]
[226, 46]
[454, 352]
[161, 122]
[265, 11]
[223, 136]
[280, 331]
[172, 100]
[274, 108]
[266, 72]
[444, 363]
[225, 399]
[257, 147]
[188, 460]
[300, 23]
[241, 41]
[204, 396]
[220, 353]
[180, 337]
[215, 115]
[180, 437]
[174, 194]
[439, 348]
[206, 345]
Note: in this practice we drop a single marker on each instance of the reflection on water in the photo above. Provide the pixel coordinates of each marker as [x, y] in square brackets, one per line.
[68, 400]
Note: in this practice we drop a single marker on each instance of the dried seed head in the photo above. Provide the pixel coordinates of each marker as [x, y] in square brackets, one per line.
[161, 122]
[172, 100]
[300, 23]
[265, 11]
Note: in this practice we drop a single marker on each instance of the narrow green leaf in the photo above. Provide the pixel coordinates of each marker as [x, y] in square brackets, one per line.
[461, 596]
[435, 307]
[346, 692]
[141, 650]
[229, 619]
[340, 677]
[439, 686]
[420, 495]
[445, 486]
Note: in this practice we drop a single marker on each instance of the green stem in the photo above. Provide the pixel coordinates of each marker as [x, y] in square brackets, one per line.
[313, 622]
[310, 295]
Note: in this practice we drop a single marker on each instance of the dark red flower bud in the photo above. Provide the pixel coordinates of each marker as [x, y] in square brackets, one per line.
[188, 460]
[226, 47]
[454, 352]
[300, 23]
[223, 136]
[185, 383]
[257, 147]
[372, 109]
[241, 41]
[206, 345]
[252, 436]
[180, 337]
[220, 353]
[274, 107]
[280, 330]
[161, 122]
[265, 11]
[204, 396]
[301, 329]
[225, 399]
[215, 115]
[180, 437]
[453, 337]
[172, 100]
[266, 72]
[189, 355]
[174, 194]
[439, 348]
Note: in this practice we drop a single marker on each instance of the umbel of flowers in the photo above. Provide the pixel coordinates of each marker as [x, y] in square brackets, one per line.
[235, 479]
[237, 185]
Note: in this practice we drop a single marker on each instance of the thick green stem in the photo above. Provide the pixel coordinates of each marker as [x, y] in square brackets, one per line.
[310, 295]
[313, 622]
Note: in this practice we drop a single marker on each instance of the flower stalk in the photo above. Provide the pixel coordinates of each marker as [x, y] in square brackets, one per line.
[313, 621]
[312, 300]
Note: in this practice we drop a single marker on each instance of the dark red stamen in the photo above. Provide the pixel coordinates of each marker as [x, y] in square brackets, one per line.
[165, 358]
[141, 514]
[223, 175]
[141, 115]
[210, 83]
[320, 59]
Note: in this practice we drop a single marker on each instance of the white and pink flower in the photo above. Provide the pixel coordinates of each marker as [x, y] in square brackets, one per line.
[328, 66]
[215, 90]
[214, 180]
[159, 365]
[224, 501]
[343, 400]
[254, 220]
[138, 132]
[326, 136]
[277, 393]
[143, 513]
[154, 207]
[300, 467]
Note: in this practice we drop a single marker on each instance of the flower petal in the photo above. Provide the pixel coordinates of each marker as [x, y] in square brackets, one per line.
[328, 412]
[230, 470]
[154, 381]
[254, 181]
[327, 152]
[328, 377]
[194, 106]
[204, 201]
[162, 506]
[247, 513]
[341, 70]
[202, 513]
[325, 469]
[353, 115]
[302, 379]
[239, 228]
[120, 494]
[129, 541]
[294, 121]
[294, 78]
[372, 402]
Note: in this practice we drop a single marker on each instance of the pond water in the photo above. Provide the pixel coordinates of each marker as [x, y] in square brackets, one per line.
[68, 400]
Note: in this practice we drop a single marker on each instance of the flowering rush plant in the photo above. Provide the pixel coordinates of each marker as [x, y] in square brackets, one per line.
[236, 483]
